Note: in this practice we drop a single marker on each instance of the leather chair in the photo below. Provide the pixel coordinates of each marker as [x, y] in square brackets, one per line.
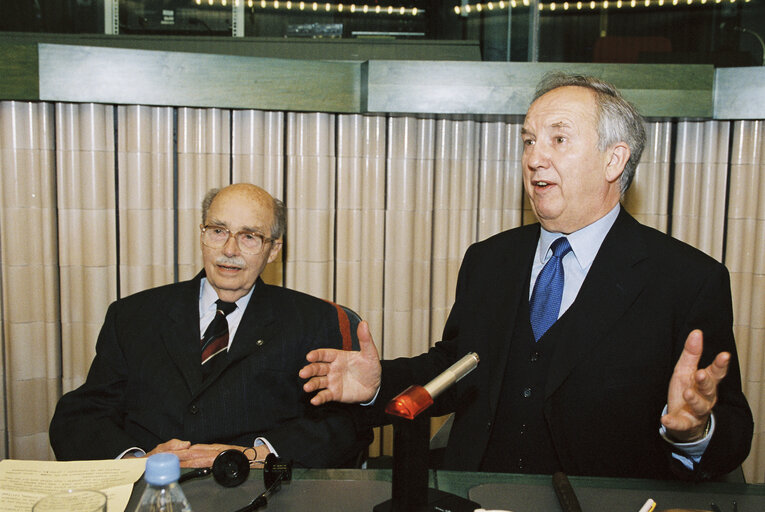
[349, 321]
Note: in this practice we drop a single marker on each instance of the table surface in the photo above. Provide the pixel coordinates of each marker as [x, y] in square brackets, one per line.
[356, 490]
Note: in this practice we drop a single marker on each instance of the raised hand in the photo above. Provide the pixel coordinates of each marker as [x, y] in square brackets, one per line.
[693, 391]
[344, 375]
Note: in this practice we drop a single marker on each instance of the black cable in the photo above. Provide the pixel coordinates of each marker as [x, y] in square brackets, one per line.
[194, 474]
[262, 500]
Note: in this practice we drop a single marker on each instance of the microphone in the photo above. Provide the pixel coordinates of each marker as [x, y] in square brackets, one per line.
[565, 493]
[415, 399]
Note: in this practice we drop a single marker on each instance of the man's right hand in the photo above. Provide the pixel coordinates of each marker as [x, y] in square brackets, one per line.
[173, 445]
[201, 455]
[177, 447]
[344, 375]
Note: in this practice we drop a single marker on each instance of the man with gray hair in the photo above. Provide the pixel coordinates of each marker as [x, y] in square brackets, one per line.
[606, 346]
[210, 364]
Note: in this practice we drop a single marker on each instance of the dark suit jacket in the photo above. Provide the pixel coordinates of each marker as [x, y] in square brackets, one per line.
[145, 385]
[611, 367]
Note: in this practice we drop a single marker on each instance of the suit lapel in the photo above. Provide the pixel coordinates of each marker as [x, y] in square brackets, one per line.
[180, 333]
[254, 330]
[611, 286]
[512, 280]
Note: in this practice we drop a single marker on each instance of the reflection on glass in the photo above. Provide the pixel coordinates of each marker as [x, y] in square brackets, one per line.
[719, 32]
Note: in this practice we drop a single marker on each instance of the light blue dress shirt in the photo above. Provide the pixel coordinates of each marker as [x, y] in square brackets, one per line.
[585, 244]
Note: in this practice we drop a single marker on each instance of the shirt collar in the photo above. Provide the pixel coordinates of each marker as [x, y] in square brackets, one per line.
[585, 243]
[208, 296]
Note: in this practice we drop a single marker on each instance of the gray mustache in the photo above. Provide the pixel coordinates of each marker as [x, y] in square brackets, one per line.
[230, 262]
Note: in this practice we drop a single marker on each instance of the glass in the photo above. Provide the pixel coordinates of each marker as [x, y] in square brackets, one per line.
[249, 242]
[654, 32]
[72, 501]
[719, 32]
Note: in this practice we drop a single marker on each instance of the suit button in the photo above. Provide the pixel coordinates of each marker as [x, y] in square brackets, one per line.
[193, 409]
[526, 392]
[523, 429]
[259, 343]
[534, 357]
[521, 464]
[488, 425]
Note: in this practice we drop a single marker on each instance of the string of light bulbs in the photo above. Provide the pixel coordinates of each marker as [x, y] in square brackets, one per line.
[587, 5]
[466, 9]
[317, 7]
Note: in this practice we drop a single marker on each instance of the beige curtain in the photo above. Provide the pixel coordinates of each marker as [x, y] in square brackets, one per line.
[380, 212]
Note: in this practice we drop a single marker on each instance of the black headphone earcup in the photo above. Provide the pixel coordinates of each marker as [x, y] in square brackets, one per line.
[230, 468]
[276, 470]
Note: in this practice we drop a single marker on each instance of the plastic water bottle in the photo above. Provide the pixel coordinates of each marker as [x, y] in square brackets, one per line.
[163, 494]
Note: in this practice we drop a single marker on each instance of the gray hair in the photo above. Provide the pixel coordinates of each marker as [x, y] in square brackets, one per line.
[278, 228]
[618, 119]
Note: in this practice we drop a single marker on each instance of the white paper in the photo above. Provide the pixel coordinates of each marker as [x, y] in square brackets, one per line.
[24, 482]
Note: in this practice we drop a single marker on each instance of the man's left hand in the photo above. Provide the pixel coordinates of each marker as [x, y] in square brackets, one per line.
[693, 391]
[203, 455]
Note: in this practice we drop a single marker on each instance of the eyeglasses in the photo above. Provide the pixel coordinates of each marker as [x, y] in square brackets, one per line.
[249, 242]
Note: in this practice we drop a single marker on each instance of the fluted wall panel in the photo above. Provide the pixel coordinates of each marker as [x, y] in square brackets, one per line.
[86, 230]
[203, 163]
[408, 230]
[28, 277]
[360, 239]
[310, 199]
[698, 211]
[647, 197]
[258, 149]
[145, 193]
[501, 178]
[456, 191]
[4, 434]
[381, 209]
[745, 258]
[360, 227]
[257, 156]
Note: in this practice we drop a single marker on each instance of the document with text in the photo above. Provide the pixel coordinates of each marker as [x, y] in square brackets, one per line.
[24, 482]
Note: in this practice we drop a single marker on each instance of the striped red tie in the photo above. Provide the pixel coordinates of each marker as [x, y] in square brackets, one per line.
[215, 339]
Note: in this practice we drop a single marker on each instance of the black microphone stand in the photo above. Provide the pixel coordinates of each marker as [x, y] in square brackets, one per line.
[411, 443]
[410, 492]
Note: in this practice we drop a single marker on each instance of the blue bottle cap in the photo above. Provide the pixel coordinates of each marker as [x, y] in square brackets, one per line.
[162, 469]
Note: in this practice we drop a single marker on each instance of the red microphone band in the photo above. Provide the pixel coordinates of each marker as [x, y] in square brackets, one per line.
[415, 399]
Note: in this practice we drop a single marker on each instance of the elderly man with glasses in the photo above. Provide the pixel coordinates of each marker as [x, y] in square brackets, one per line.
[209, 364]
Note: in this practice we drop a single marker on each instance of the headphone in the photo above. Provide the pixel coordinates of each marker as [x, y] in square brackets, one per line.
[232, 467]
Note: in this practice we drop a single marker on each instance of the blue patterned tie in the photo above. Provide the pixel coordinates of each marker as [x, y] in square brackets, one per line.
[548, 290]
